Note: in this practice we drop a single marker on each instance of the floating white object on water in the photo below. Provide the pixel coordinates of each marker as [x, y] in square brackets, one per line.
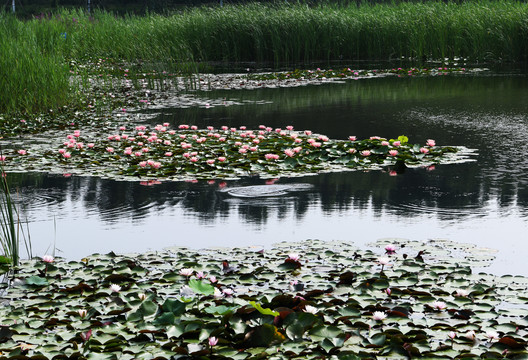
[265, 190]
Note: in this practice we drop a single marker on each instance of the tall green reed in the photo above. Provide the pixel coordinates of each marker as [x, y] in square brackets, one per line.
[9, 222]
[35, 54]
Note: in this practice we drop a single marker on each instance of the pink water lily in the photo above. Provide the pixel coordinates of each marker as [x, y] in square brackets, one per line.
[365, 153]
[430, 142]
[186, 272]
[379, 315]
[213, 341]
[390, 249]
[48, 259]
[439, 305]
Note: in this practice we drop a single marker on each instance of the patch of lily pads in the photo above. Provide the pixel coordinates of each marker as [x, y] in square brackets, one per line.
[187, 152]
[307, 300]
[346, 73]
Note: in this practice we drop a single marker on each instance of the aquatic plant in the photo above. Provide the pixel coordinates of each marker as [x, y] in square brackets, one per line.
[339, 307]
[9, 223]
[189, 153]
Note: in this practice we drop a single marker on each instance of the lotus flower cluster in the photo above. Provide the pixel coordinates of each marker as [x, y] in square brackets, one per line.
[185, 151]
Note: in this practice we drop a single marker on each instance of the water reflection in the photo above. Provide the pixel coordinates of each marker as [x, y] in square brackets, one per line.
[478, 202]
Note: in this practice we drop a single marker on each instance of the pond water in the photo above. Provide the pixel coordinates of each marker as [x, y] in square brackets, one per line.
[483, 202]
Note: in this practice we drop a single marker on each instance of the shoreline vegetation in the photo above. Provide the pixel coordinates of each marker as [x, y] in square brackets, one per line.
[39, 55]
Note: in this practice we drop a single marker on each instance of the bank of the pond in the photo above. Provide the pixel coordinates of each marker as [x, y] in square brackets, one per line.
[43, 47]
[306, 300]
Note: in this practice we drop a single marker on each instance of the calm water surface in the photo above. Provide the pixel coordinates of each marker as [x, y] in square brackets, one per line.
[483, 202]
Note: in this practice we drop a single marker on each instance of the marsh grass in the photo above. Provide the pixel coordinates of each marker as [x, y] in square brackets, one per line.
[36, 54]
[9, 222]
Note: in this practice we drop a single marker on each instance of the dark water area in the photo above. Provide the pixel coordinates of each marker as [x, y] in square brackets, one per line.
[483, 202]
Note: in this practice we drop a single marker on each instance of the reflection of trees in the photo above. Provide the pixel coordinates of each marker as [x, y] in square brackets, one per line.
[449, 192]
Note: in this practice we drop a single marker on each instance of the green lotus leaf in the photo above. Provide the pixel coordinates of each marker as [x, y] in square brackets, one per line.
[201, 287]
[36, 281]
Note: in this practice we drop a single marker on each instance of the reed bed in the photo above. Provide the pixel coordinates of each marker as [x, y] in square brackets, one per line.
[34, 66]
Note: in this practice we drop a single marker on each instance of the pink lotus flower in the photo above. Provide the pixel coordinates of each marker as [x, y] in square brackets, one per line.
[221, 158]
[82, 313]
[396, 143]
[110, 149]
[66, 155]
[182, 127]
[271, 157]
[388, 291]
[22, 152]
[379, 315]
[390, 249]
[228, 292]
[289, 127]
[375, 138]
[48, 259]
[200, 275]
[393, 152]
[294, 257]
[213, 279]
[451, 335]
[424, 150]
[193, 159]
[142, 296]
[352, 151]
[289, 152]
[352, 138]
[430, 142]
[115, 288]
[2, 158]
[168, 154]
[90, 145]
[383, 261]
[213, 341]
[470, 335]
[316, 144]
[307, 132]
[242, 151]
[439, 305]
[186, 272]
[210, 161]
[365, 153]
[142, 164]
[310, 309]
[461, 292]
[385, 143]
[492, 335]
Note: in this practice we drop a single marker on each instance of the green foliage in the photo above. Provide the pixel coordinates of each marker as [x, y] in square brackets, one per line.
[36, 54]
[9, 222]
[326, 319]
